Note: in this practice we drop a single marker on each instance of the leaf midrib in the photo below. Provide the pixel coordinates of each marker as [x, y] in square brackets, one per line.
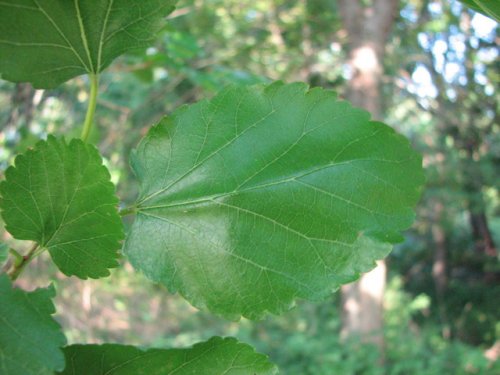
[287, 179]
[103, 32]
[237, 136]
[89, 65]
[59, 31]
[83, 35]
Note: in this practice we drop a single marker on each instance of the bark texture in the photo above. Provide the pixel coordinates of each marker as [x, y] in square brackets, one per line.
[367, 28]
[22, 107]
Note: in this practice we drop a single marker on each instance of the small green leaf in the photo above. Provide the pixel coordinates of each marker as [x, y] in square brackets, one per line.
[47, 42]
[30, 339]
[60, 196]
[490, 8]
[215, 357]
[267, 194]
[4, 253]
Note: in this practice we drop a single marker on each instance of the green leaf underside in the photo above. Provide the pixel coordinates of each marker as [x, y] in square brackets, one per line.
[60, 196]
[214, 357]
[47, 42]
[267, 194]
[30, 340]
[490, 8]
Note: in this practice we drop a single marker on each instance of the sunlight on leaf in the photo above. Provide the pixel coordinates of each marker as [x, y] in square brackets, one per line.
[267, 194]
[215, 357]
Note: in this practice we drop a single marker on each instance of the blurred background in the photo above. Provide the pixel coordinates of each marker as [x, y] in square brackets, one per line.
[428, 68]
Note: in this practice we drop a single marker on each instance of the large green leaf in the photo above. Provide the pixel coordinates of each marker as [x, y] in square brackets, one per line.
[215, 357]
[60, 196]
[490, 8]
[266, 194]
[30, 340]
[47, 42]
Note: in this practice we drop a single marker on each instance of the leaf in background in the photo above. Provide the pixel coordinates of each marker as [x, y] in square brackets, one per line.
[47, 42]
[490, 8]
[4, 253]
[267, 194]
[60, 196]
[30, 339]
[215, 357]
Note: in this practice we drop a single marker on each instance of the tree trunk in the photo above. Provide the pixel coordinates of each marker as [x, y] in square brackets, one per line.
[439, 266]
[367, 27]
[481, 233]
[476, 206]
[22, 107]
[362, 307]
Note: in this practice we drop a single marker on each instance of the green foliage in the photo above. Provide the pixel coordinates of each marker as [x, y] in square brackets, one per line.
[48, 42]
[247, 202]
[458, 133]
[233, 184]
[307, 341]
[424, 350]
[490, 8]
[214, 357]
[30, 340]
[60, 196]
[4, 253]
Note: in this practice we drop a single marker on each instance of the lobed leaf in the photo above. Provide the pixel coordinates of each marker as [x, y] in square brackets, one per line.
[267, 194]
[214, 357]
[30, 339]
[60, 196]
[47, 42]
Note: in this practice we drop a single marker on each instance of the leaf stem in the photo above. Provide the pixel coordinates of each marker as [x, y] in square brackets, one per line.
[18, 258]
[89, 117]
[21, 262]
[128, 211]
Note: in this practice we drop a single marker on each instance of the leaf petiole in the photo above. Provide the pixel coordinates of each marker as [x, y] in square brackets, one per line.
[18, 258]
[21, 261]
[89, 117]
[128, 211]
